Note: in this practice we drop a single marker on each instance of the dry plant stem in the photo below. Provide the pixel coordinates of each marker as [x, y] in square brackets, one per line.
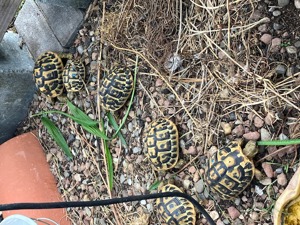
[266, 83]
[113, 207]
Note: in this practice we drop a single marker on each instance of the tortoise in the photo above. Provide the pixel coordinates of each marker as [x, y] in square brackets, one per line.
[115, 88]
[162, 144]
[51, 76]
[287, 207]
[231, 170]
[73, 75]
[47, 73]
[175, 210]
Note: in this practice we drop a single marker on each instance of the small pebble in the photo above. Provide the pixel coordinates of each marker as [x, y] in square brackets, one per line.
[263, 28]
[280, 69]
[258, 190]
[297, 44]
[282, 136]
[226, 127]
[136, 150]
[80, 49]
[291, 49]
[186, 184]
[233, 212]
[275, 45]
[252, 136]
[254, 215]
[276, 13]
[192, 170]
[220, 222]
[297, 4]
[281, 179]
[258, 122]
[214, 215]
[159, 82]
[270, 118]
[199, 186]
[279, 170]
[143, 202]
[265, 134]
[277, 26]
[266, 38]
[268, 169]
[238, 130]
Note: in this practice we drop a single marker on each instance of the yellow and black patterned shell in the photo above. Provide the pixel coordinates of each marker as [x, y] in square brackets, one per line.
[73, 75]
[162, 144]
[48, 70]
[175, 210]
[115, 88]
[229, 171]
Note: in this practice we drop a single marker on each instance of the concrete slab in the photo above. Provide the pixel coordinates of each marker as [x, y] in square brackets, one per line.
[35, 31]
[16, 84]
[79, 4]
[63, 21]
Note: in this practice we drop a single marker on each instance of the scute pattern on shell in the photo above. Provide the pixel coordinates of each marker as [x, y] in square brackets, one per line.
[47, 74]
[73, 75]
[115, 88]
[229, 171]
[162, 144]
[175, 210]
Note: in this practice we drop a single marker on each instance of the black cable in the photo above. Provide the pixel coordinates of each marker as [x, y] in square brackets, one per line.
[55, 205]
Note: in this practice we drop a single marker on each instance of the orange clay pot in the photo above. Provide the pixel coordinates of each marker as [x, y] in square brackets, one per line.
[287, 207]
[25, 177]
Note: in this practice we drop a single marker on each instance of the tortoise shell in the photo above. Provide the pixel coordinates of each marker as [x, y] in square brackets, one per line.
[73, 75]
[175, 210]
[115, 88]
[47, 74]
[162, 144]
[229, 171]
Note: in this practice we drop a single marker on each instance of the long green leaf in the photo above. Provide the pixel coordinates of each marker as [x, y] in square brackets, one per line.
[113, 122]
[155, 185]
[79, 114]
[109, 161]
[95, 131]
[280, 142]
[89, 122]
[56, 135]
[89, 125]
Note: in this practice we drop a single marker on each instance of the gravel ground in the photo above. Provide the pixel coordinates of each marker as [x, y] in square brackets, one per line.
[209, 104]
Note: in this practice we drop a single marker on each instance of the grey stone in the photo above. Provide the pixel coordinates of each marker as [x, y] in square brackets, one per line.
[35, 31]
[291, 49]
[63, 21]
[276, 13]
[45, 27]
[297, 44]
[16, 87]
[80, 4]
[280, 69]
[282, 3]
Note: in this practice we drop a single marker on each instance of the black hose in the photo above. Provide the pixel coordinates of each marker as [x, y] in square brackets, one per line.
[55, 205]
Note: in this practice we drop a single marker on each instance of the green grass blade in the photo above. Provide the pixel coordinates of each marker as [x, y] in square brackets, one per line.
[155, 185]
[56, 135]
[89, 122]
[95, 131]
[79, 114]
[113, 122]
[109, 161]
[280, 142]
[131, 99]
